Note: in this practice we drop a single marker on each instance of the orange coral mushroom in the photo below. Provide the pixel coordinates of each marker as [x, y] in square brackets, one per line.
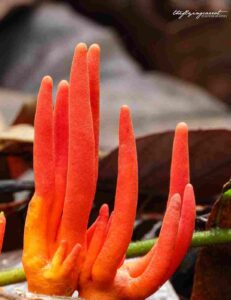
[103, 276]
[65, 168]
[60, 254]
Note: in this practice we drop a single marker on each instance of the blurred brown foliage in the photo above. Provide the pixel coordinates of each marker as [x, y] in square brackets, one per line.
[197, 50]
[213, 268]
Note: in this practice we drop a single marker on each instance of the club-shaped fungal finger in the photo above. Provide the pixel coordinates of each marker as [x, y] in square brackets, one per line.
[36, 230]
[151, 279]
[179, 175]
[109, 221]
[97, 241]
[43, 140]
[36, 225]
[120, 230]
[70, 264]
[59, 255]
[93, 58]
[185, 230]
[136, 267]
[91, 229]
[81, 153]
[2, 228]
[60, 121]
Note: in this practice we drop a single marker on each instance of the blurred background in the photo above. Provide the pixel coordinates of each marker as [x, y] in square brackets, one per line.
[167, 69]
[166, 64]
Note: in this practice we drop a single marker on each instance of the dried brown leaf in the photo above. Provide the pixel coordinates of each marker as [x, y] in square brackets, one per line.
[16, 141]
[22, 133]
[6, 6]
[210, 161]
[213, 270]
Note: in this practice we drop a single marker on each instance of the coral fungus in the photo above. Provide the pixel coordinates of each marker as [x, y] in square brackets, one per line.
[65, 168]
[60, 253]
[105, 275]
[2, 229]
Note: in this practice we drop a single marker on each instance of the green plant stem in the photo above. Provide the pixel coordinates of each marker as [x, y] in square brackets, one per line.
[12, 276]
[200, 239]
[203, 238]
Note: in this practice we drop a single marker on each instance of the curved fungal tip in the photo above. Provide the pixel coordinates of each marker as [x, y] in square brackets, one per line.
[63, 83]
[104, 210]
[81, 47]
[182, 126]
[47, 80]
[95, 47]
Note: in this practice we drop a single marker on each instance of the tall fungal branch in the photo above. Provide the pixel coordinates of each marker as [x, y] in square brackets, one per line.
[2, 228]
[60, 254]
[105, 274]
[65, 168]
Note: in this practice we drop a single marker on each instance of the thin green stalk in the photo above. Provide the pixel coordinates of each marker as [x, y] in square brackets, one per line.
[203, 238]
[12, 276]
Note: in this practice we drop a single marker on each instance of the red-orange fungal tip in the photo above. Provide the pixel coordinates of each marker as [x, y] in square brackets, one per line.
[189, 187]
[104, 210]
[47, 80]
[2, 218]
[182, 126]
[81, 47]
[125, 107]
[76, 249]
[125, 112]
[63, 242]
[95, 47]
[63, 83]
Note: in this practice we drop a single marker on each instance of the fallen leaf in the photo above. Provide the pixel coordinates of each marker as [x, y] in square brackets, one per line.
[210, 163]
[6, 6]
[22, 133]
[213, 269]
[16, 141]
[26, 113]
